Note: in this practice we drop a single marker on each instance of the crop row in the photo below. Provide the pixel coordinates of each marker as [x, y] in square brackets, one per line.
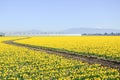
[18, 63]
[101, 46]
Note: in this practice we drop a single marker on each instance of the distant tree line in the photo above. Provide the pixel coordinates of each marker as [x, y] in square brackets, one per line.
[105, 34]
[32, 33]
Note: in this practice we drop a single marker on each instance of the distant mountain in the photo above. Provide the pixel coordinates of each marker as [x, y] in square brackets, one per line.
[72, 31]
[2, 34]
[26, 33]
[89, 31]
[33, 31]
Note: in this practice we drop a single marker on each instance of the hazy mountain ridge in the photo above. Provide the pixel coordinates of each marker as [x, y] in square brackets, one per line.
[71, 31]
[90, 30]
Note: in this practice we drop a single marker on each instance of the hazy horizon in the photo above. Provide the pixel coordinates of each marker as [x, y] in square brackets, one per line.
[62, 30]
[57, 15]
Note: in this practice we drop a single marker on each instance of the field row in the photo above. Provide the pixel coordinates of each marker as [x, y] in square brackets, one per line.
[22, 63]
[107, 47]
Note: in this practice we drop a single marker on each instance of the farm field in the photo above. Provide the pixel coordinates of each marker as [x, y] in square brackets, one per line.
[107, 47]
[20, 63]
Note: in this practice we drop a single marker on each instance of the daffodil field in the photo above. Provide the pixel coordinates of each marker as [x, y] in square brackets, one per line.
[20, 63]
[107, 47]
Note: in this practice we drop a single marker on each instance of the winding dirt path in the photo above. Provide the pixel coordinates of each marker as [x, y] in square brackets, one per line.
[83, 58]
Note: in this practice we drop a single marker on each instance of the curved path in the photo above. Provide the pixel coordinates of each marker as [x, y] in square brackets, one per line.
[83, 58]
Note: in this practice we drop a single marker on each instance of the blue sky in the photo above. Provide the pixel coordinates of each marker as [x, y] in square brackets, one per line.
[55, 15]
